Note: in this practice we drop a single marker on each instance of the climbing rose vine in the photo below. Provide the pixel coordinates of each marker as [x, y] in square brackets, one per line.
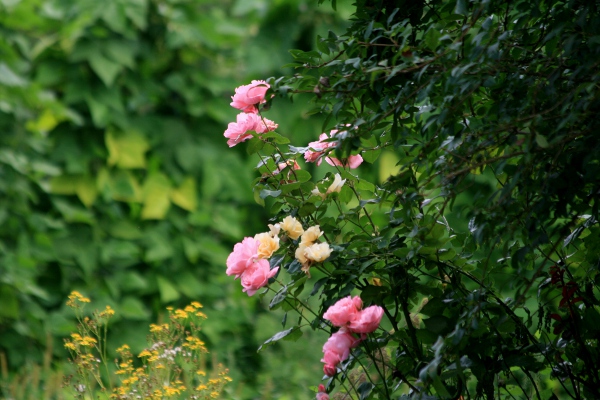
[255, 260]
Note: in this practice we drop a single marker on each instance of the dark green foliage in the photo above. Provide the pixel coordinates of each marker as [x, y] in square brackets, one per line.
[491, 217]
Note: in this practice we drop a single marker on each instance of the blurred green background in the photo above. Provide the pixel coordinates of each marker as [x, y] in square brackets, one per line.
[116, 180]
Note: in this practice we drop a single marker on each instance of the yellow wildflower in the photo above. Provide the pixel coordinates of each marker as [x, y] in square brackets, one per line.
[180, 314]
[123, 349]
[145, 353]
[76, 297]
[88, 341]
[159, 328]
[108, 312]
[189, 309]
[195, 304]
[70, 346]
[194, 343]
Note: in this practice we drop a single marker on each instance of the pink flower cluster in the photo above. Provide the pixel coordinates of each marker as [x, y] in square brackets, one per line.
[348, 315]
[246, 99]
[319, 148]
[244, 263]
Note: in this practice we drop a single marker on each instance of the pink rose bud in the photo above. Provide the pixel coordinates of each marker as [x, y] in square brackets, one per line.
[257, 276]
[242, 257]
[322, 394]
[246, 97]
[368, 320]
[329, 370]
[344, 311]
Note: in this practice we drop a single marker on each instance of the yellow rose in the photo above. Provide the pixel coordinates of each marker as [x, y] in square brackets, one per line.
[311, 235]
[268, 244]
[292, 227]
[300, 253]
[318, 252]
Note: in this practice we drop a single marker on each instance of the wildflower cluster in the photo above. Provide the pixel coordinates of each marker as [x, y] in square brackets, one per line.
[172, 366]
[88, 345]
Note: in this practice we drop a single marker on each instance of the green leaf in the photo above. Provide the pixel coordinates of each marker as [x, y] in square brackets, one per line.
[156, 193]
[10, 78]
[292, 334]
[126, 149]
[106, 69]
[9, 301]
[185, 196]
[189, 285]
[120, 52]
[266, 193]
[133, 308]
[122, 186]
[371, 155]
[461, 7]
[167, 290]
[87, 190]
[278, 298]
[277, 138]
[541, 141]
[364, 389]
[432, 38]
[440, 388]
[302, 175]
[254, 145]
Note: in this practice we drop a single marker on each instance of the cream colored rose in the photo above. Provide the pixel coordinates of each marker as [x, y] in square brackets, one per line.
[318, 252]
[315, 192]
[292, 227]
[300, 255]
[311, 235]
[337, 184]
[274, 230]
[268, 244]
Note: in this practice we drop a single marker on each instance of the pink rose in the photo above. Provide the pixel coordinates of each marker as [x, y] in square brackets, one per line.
[264, 125]
[322, 394]
[368, 320]
[237, 132]
[318, 148]
[351, 162]
[337, 349]
[247, 96]
[242, 257]
[257, 275]
[344, 311]
[293, 165]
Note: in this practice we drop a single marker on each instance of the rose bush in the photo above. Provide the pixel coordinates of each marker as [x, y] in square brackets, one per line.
[467, 222]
